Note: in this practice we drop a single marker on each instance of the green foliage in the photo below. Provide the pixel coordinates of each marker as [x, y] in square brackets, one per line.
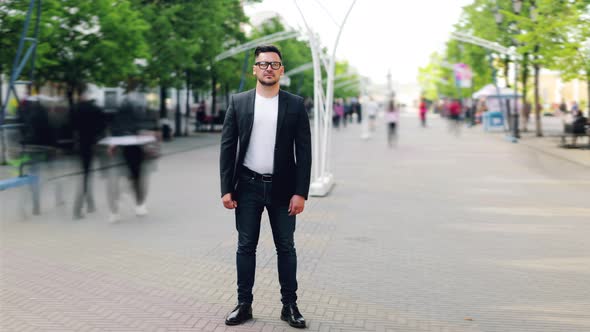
[565, 37]
[147, 43]
[430, 78]
[17, 163]
[549, 33]
[11, 23]
[94, 41]
[348, 74]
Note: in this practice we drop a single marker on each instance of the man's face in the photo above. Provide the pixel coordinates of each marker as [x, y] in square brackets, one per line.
[268, 76]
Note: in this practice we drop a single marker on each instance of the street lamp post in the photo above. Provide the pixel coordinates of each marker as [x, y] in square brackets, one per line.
[513, 115]
[499, 18]
[516, 6]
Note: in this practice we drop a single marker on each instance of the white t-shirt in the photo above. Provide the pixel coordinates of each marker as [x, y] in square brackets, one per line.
[372, 108]
[260, 154]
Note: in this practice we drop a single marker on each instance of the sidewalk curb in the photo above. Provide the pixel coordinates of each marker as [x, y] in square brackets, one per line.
[529, 142]
[555, 155]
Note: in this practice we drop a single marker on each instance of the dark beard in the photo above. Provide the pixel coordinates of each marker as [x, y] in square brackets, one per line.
[267, 83]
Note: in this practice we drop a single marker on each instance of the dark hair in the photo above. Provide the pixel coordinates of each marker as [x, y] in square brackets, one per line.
[391, 106]
[267, 48]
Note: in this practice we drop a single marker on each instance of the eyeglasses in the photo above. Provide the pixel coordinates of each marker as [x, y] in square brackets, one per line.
[263, 64]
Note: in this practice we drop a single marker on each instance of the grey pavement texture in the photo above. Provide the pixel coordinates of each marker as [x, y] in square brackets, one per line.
[441, 233]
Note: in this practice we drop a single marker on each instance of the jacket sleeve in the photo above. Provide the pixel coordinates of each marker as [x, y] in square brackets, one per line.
[229, 145]
[302, 152]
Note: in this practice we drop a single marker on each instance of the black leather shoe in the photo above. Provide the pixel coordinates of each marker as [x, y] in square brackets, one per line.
[241, 314]
[291, 315]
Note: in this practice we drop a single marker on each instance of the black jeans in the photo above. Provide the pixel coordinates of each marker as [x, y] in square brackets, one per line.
[391, 133]
[253, 195]
[85, 191]
[133, 155]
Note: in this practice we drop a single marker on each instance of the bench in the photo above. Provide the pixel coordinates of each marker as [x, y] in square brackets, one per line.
[574, 138]
[207, 122]
[25, 180]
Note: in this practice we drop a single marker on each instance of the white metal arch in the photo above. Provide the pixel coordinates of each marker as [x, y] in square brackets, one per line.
[272, 38]
[322, 178]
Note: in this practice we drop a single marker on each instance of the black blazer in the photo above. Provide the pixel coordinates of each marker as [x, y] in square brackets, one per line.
[292, 157]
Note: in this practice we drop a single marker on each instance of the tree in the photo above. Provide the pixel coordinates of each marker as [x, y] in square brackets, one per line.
[570, 35]
[479, 19]
[546, 38]
[220, 29]
[12, 15]
[430, 77]
[90, 41]
[167, 52]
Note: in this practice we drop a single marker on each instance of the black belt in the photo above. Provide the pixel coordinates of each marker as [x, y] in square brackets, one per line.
[257, 176]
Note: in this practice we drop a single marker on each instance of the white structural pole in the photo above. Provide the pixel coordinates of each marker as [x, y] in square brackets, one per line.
[330, 91]
[345, 84]
[300, 69]
[275, 37]
[318, 109]
[322, 179]
[365, 132]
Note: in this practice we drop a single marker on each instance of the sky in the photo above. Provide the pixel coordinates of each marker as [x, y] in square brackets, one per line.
[379, 35]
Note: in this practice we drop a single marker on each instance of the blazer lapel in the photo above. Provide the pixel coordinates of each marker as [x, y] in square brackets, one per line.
[282, 112]
[249, 118]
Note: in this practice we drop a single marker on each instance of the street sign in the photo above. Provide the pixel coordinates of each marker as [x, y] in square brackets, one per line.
[463, 75]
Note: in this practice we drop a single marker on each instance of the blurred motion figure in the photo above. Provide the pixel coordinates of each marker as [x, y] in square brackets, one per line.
[89, 125]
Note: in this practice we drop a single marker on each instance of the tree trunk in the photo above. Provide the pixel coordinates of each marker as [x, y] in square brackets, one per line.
[506, 67]
[213, 98]
[226, 95]
[177, 115]
[163, 112]
[1, 85]
[588, 96]
[538, 128]
[188, 104]
[70, 96]
[525, 77]
[79, 91]
[2, 142]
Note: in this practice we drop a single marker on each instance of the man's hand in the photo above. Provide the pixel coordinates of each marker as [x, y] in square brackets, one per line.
[296, 205]
[228, 202]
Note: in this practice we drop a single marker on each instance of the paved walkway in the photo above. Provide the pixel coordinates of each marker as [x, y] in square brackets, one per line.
[441, 233]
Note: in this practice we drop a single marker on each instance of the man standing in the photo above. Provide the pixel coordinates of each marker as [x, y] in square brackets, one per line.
[265, 162]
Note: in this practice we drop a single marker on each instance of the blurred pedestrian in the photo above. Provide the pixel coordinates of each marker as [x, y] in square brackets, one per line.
[338, 115]
[89, 123]
[200, 114]
[372, 109]
[265, 162]
[455, 111]
[563, 107]
[392, 117]
[575, 107]
[423, 109]
[347, 113]
[578, 125]
[126, 129]
[357, 109]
